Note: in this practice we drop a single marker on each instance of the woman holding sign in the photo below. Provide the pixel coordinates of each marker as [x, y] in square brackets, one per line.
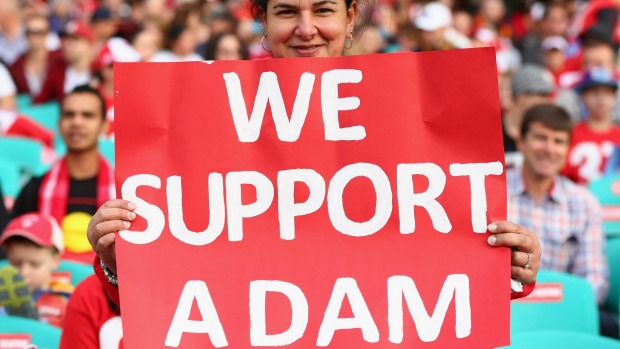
[305, 28]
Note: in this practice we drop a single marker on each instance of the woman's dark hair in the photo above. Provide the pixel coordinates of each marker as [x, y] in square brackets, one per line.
[173, 33]
[551, 116]
[213, 43]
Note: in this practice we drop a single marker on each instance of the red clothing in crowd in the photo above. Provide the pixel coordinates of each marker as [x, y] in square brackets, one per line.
[91, 320]
[18, 71]
[589, 152]
[17, 125]
[54, 86]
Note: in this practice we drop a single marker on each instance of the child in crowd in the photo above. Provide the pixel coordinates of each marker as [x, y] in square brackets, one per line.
[33, 246]
[594, 139]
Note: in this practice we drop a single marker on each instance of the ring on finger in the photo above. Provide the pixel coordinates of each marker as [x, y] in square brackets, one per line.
[527, 264]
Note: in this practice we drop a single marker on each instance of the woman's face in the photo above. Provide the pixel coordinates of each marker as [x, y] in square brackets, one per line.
[308, 28]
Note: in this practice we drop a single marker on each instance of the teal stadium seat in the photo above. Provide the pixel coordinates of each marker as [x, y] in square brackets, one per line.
[42, 335]
[10, 178]
[106, 148]
[607, 191]
[23, 101]
[560, 302]
[26, 153]
[79, 271]
[561, 340]
[47, 114]
[613, 259]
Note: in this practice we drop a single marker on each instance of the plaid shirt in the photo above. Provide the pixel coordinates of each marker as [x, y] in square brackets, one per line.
[569, 225]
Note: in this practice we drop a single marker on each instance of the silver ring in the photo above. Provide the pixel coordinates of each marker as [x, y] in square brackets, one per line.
[527, 264]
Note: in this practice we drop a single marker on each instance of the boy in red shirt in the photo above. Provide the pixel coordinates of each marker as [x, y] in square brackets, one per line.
[594, 139]
[33, 245]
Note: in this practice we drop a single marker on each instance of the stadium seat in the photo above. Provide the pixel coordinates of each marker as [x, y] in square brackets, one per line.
[24, 152]
[23, 101]
[106, 148]
[560, 302]
[607, 191]
[42, 335]
[46, 114]
[561, 340]
[10, 178]
[79, 271]
[613, 259]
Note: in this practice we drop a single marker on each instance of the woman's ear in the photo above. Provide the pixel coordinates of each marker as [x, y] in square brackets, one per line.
[351, 16]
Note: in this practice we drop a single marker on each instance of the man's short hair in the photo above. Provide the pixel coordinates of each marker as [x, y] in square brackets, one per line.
[87, 89]
[550, 115]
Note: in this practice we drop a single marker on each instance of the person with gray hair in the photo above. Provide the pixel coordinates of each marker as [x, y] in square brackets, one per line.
[531, 86]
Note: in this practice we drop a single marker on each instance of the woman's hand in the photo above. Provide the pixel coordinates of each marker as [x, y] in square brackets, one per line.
[111, 217]
[526, 250]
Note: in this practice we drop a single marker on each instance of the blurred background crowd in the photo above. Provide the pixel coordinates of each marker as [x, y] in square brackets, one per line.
[56, 66]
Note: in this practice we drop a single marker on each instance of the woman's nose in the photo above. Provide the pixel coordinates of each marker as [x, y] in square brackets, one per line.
[306, 28]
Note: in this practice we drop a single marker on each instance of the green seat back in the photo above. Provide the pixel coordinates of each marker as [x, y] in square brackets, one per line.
[10, 178]
[42, 335]
[607, 191]
[561, 340]
[47, 114]
[24, 152]
[574, 310]
[106, 148]
[613, 258]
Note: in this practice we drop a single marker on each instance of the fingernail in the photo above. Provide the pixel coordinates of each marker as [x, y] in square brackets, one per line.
[126, 224]
[491, 240]
[132, 215]
[492, 227]
[132, 206]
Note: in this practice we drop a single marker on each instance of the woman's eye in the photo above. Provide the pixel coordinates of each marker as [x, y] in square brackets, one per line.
[324, 10]
[285, 12]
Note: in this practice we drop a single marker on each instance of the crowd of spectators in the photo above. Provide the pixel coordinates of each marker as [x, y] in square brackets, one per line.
[557, 61]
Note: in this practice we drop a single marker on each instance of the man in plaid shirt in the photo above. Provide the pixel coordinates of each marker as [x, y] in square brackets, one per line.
[564, 215]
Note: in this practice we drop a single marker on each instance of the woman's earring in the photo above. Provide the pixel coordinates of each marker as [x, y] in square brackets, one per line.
[262, 42]
[349, 44]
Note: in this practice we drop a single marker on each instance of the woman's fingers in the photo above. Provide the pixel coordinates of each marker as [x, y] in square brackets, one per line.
[525, 257]
[111, 217]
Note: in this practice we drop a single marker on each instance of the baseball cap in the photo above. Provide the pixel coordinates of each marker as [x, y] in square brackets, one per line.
[597, 77]
[79, 30]
[554, 43]
[532, 79]
[101, 14]
[433, 16]
[42, 230]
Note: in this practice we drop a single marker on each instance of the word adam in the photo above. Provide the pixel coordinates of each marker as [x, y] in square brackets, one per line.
[399, 288]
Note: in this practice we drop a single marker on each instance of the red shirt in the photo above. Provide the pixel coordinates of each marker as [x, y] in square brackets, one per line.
[91, 321]
[589, 152]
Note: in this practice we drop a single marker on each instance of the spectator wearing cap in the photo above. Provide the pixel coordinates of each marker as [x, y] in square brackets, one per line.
[104, 25]
[434, 22]
[32, 68]
[75, 68]
[78, 183]
[530, 86]
[595, 138]
[554, 22]
[13, 41]
[554, 54]
[33, 245]
[595, 54]
[180, 45]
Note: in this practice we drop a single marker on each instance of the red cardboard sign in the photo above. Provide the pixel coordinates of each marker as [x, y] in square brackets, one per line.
[337, 202]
